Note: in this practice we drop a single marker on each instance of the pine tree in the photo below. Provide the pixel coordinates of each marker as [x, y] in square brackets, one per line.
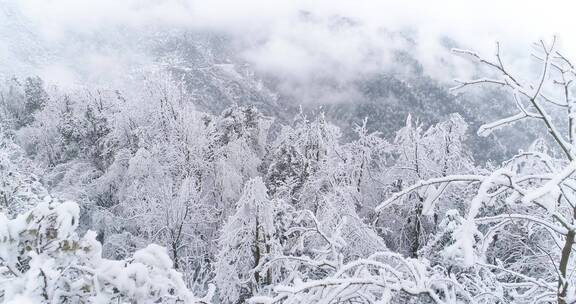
[36, 97]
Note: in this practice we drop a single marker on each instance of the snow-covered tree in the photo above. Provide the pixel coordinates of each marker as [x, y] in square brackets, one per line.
[248, 238]
[302, 156]
[20, 188]
[520, 224]
[36, 97]
[22, 100]
[383, 277]
[237, 140]
[422, 154]
[43, 260]
[364, 163]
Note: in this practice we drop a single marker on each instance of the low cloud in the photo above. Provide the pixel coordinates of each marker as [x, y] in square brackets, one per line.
[314, 45]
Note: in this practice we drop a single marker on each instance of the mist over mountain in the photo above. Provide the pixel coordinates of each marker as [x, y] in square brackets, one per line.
[328, 63]
[287, 152]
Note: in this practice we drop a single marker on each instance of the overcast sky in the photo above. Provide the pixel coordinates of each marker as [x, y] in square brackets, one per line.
[290, 48]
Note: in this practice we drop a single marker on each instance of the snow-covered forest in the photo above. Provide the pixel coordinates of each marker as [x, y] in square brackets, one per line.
[202, 179]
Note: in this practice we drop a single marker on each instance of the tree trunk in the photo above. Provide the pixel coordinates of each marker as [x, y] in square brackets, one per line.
[257, 253]
[418, 227]
[566, 252]
[175, 254]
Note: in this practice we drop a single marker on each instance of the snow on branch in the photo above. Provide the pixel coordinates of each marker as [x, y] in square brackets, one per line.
[432, 181]
[533, 219]
[487, 129]
[552, 185]
[532, 92]
[375, 277]
[49, 263]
